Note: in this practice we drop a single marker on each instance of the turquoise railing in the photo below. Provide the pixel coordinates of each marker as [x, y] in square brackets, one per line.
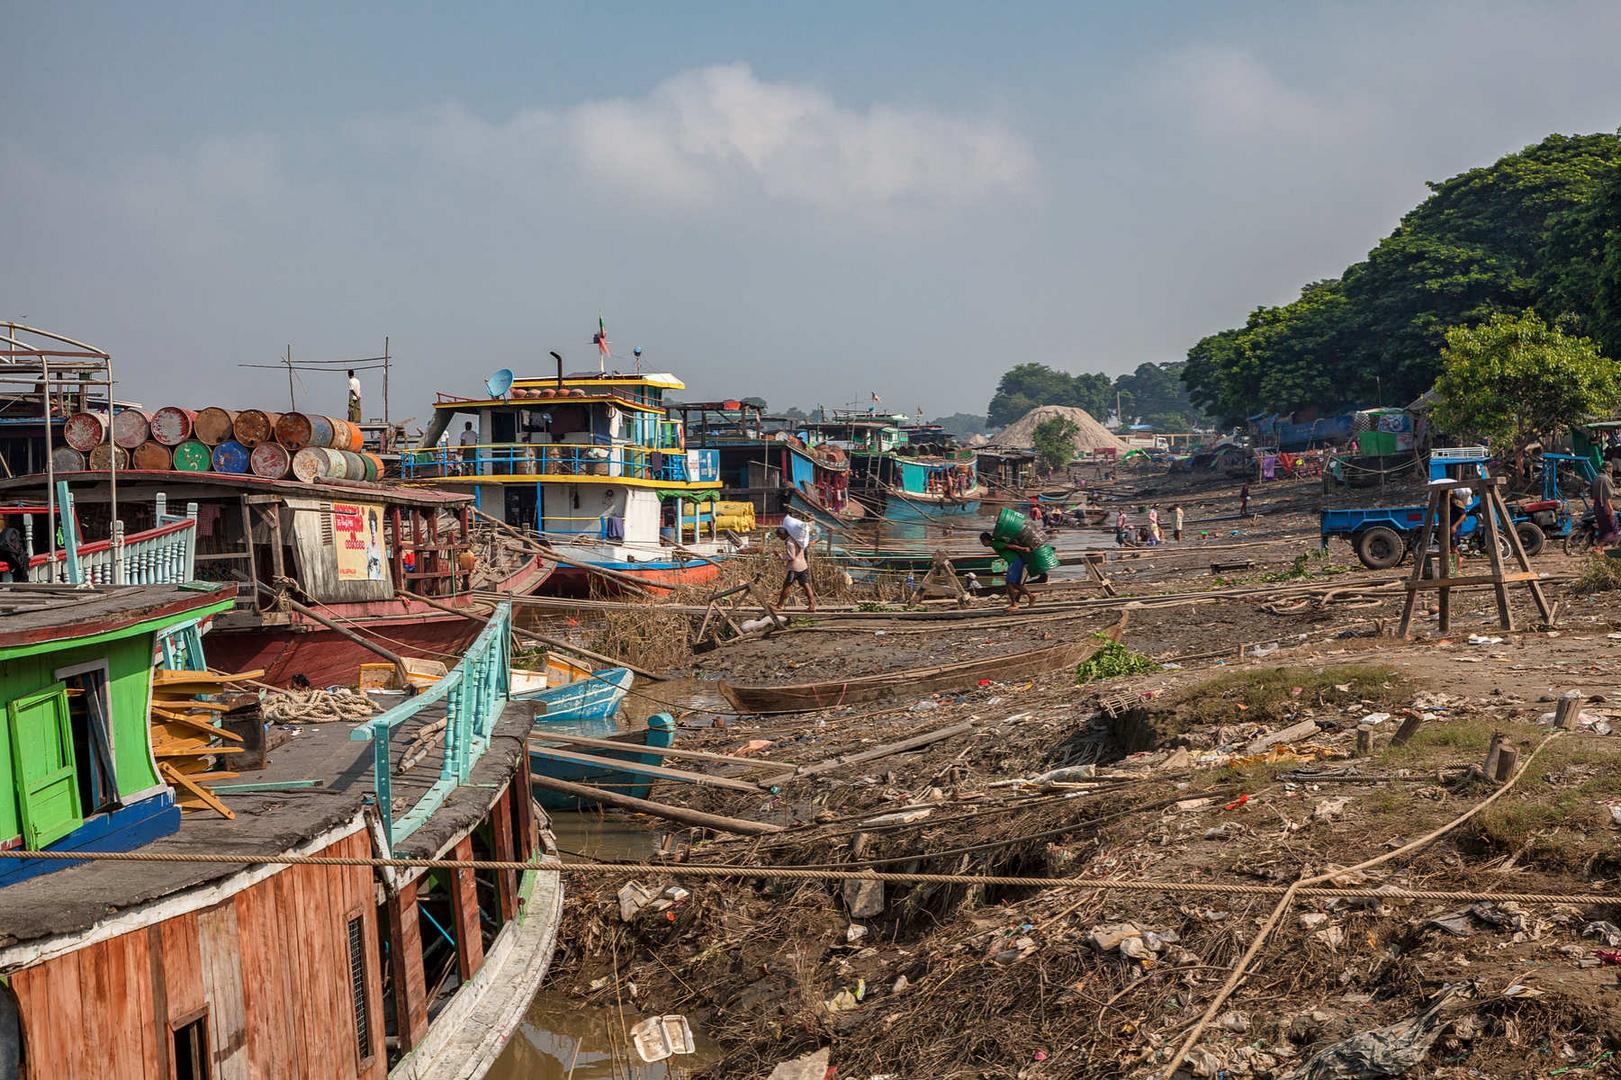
[474, 693]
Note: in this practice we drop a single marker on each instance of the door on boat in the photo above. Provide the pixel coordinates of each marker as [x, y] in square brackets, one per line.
[41, 744]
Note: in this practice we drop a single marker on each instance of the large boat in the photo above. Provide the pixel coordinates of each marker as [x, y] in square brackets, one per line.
[908, 471]
[590, 463]
[189, 970]
[324, 567]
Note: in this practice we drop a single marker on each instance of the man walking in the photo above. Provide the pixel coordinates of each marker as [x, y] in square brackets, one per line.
[796, 554]
[1604, 522]
[354, 397]
[1176, 523]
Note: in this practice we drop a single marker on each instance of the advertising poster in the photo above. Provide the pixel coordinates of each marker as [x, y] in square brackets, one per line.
[358, 541]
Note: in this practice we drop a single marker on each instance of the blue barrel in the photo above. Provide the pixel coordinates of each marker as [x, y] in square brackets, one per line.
[231, 456]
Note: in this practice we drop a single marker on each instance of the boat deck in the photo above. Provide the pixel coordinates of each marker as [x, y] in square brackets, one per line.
[271, 822]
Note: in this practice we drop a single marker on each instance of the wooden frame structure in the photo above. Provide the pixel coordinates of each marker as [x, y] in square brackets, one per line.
[1497, 527]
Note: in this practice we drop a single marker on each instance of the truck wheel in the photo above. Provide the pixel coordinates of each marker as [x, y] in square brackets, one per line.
[1380, 548]
[1531, 537]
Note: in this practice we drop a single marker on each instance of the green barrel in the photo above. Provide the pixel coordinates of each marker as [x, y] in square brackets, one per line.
[1043, 560]
[193, 456]
[1008, 524]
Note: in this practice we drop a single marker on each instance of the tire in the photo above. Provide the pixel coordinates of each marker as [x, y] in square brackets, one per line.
[1532, 538]
[1380, 548]
[1579, 542]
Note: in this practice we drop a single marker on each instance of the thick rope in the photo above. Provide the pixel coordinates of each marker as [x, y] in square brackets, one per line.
[793, 873]
[1301, 887]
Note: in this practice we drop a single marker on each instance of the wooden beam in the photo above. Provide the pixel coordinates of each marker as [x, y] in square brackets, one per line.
[638, 769]
[696, 818]
[663, 751]
[876, 752]
[464, 907]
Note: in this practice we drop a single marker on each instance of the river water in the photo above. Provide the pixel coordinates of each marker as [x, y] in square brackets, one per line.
[560, 1039]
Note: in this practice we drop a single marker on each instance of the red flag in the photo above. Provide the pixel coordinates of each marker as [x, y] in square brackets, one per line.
[600, 338]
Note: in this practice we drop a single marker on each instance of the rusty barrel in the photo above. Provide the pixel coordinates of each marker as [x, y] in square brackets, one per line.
[315, 462]
[67, 459]
[131, 428]
[171, 425]
[346, 436]
[105, 457]
[271, 461]
[255, 426]
[152, 455]
[214, 425]
[231, 456]
[374, 465]
[296, 430]
[84, 431]
[193, 456]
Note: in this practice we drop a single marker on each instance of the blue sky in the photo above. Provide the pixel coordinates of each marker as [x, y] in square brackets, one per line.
[808, 203]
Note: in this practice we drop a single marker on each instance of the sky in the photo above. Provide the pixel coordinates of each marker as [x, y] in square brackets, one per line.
[808, 203]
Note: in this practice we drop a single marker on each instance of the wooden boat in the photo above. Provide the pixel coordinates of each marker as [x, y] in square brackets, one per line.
[914, 682]
[386, 562]
[594, 697]
[660, 734]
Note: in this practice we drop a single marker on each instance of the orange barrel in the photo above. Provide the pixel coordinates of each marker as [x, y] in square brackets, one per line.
[270, 460]
[314, 462]
[346, 436]
[193, 456]
[131, 428]
[374, 465]
[103, 457]
[255, 426]
[84, 431]
[171, 425]
[214, 425]
[152, 455]
[296, 430]
[67, 459]
[231, 456]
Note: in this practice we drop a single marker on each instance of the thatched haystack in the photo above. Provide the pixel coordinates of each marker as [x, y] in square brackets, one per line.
[1092, 435]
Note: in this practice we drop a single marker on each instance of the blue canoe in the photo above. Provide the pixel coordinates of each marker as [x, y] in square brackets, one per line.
[660, 734]
[594, 697]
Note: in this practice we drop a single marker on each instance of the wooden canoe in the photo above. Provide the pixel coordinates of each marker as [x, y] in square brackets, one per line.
[915, 682]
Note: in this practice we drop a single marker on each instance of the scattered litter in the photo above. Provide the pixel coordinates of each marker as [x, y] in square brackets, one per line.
[658, 1037]
[1329, 809]
[633, 897]
[809, 1067]
[1608, 932]
[1373, 719]
[1482, 639]
[1372, 1055]
[864, 899]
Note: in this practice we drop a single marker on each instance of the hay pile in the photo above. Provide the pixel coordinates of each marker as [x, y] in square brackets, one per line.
[1090, 436]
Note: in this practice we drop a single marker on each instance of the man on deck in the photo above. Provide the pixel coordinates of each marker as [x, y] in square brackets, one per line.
[354, 397]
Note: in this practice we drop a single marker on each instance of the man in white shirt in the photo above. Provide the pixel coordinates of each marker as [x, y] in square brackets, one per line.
[354, 398]
[469, 444]
[796, 557]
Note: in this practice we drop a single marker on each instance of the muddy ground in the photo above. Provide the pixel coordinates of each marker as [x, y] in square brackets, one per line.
[1169, 779]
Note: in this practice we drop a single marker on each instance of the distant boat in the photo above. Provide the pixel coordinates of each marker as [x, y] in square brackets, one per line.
[594, 697]
[659, 735]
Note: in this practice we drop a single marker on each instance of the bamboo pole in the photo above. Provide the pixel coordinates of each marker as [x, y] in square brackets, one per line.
[656, 809]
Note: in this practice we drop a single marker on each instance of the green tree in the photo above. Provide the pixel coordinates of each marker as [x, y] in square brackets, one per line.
[1154, 394]
[1513, 380]
[963, 425]
[1055, 442]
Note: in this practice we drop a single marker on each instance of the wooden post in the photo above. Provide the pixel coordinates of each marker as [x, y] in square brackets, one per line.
[1364, 741]
[1443, 603]
[1521, 559]
[1568, 713]
[1494, 752]
[506, 881]
[464, 906]
[1508, 759]
[247, 539]
[405, 956]
[1426, 535]
[1490, 505]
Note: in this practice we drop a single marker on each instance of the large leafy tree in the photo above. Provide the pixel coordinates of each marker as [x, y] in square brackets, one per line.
[963, 425]
[1481, 243]
[1514, 380]
[1054, 440]
[1024, 386]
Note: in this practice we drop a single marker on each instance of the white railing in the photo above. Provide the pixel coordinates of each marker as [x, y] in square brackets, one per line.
[163, 555]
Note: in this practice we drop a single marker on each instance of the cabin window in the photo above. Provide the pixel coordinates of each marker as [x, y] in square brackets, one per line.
[357, 987]
[90, 721]
[191, 1056]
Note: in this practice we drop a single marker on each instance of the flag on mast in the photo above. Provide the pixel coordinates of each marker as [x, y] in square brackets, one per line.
[600, 339]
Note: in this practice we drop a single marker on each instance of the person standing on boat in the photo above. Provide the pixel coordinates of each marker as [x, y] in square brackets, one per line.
[796, 554]
[469, 445]
[354, 397]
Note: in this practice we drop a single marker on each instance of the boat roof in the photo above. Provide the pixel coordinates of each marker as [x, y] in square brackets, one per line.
[71, 901]
[88, 484]
[35, 614]
[578, 380]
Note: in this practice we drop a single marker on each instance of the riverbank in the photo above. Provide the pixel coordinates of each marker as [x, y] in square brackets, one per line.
[1233, 762]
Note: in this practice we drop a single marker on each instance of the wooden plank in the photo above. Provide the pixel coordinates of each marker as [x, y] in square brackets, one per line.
[202, 794]
[639, 769]
[182, 965]
[410, 988]
[876, 752]
[1472, 579]
[218, 948]
[657, 809]
[165, 678]
[506, 881]
[464, 905]
[361, 881]
[161, 1012]
[328, 897]
[305, 918]
[662, 751]
[50, 998]
[96, 1021]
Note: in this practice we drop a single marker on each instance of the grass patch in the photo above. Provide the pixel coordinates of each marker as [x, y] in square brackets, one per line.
[1601, 574]
[1112, 660]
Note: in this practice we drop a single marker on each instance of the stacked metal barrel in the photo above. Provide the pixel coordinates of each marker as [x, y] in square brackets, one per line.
[247, 441]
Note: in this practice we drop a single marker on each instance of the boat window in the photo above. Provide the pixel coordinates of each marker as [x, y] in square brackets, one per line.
[357, 987]
[191, 1057]
[90, 722]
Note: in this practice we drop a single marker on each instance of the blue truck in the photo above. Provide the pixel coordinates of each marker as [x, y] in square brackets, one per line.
[1382, 536]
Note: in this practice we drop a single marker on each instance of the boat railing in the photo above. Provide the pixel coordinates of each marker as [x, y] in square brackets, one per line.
[163, 555]
[562, 460]
[474, 693]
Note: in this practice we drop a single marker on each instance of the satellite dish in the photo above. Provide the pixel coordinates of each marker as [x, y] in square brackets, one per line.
[499, 383]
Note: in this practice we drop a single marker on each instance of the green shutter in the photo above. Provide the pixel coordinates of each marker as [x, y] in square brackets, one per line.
[42, 759]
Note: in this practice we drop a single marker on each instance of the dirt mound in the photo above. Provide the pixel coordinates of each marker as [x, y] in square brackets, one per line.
[1090, 436]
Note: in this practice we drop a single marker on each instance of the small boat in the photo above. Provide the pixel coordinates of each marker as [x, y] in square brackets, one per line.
[659, 735]
[808, 697]
[594, 697]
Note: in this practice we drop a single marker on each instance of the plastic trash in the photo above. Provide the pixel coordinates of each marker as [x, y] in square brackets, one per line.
[659, 1037]
[1373, 1055]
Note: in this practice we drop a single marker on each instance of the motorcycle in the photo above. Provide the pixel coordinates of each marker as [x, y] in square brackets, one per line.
[1583, 536]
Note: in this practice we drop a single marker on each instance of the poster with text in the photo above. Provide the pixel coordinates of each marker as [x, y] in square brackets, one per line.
[357, 530]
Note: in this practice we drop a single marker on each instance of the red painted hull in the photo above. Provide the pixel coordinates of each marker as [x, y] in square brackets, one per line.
[573, 581]
[409, 628]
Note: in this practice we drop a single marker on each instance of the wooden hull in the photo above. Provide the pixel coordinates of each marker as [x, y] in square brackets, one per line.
[595, 696]
[660, 734]
[575, 581]
[808, 697]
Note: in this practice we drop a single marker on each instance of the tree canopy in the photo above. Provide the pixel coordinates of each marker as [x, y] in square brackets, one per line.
[963, 425]
[1514, 380]
[1055, 441]
[1154, 392]
[1540, 228]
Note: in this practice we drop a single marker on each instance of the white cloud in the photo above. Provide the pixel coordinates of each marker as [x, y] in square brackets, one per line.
[710, 133]
[1228, 93]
